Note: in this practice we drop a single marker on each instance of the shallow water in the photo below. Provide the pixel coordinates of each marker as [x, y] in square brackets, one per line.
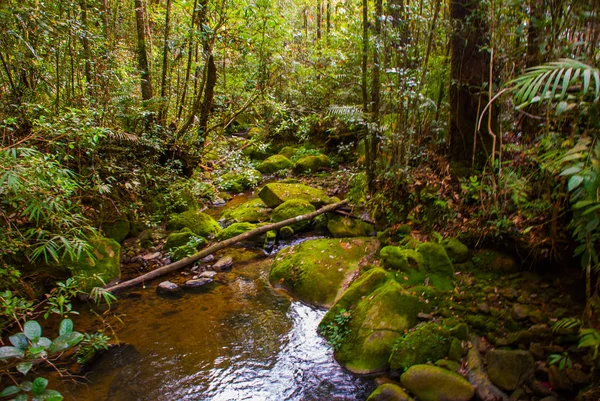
[237, 340]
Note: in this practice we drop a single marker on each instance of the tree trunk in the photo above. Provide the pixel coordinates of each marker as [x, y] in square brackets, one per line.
[165, 66]
[365, 54]
[219, 245]
[188, 68]
[328, 18]
[143, 65]
[209, 90]
[319, 18]
[85, 42]
[468, 72]
[534, 37]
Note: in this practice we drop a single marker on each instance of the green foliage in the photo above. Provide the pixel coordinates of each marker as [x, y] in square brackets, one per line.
[190, 248]
[91, 344]
[562, 360]
[590, 338]
[335, 331]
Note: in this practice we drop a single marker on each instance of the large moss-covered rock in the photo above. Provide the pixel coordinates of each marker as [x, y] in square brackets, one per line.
[316, 270]
[200, 223]
[431, 383]
[456, 250]
[288, 151]
[428, 257]
[344, 227]
[389, 392]
[103, 268]
[117, 230]
[509, 369]
[234, 230]
[293, 208]
[177, 239]
[311, 164]
[274, 163]
[428, 342]
[239, 181]
[377, 321]
[274, 194]
[252, 211]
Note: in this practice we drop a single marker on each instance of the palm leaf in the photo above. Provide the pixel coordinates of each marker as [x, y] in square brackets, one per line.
[554, 81]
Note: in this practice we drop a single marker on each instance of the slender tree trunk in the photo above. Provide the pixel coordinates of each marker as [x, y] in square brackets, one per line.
[165, 66]
[319, 18]
[143, 65]
[365, 54]
[85, 42]
[328, 18]
[468, 71]
[211, 81]
[189, 62]
[534, 37]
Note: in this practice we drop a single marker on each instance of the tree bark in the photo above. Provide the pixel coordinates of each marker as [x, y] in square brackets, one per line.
[468, 71]
[209, 93]
[365, 54]
[319, 18]
[165, 65]
[143, 65]
[85, 42]
[534, 37]
[218, 246]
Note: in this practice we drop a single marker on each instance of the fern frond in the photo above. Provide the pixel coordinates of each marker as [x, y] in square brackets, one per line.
[347, 112]
[122, 136]
[566, 323]
[553, 81]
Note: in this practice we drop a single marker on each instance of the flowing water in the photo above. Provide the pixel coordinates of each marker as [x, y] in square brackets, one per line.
[238, 339]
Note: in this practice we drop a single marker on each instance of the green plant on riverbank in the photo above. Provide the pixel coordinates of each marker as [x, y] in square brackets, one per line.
[337, 330]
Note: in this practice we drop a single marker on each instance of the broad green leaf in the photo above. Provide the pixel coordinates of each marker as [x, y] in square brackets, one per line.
[22, 397]
[19, 340]
[39, 385]
[25, 385]
[49, 395]
[10, 390]
[590, 210]
[24, 367]
[10, 352]
[583, 203]
[587, 74]
[66, 326]
[32, 330]
[592, 225]
[65, 341]
[574, 182]
[561, 107]
[571, 171]
[565, 83]
[43, 342]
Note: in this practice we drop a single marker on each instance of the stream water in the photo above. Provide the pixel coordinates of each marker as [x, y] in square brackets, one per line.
[236, 340]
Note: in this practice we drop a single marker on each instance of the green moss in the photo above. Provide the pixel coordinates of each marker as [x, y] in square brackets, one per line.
[436, 259]
[455, 352]
[275, 194]
[189, 248]
[378, 320]
[450, 365]
[493, 261]
[105, 268]
[177, 239]
[274, 163]
[344, 227]
[460, 331]
[431, 383]
[293, 208]
[456, 250]
[234, 230]
[428, 342]
[200, 223]
[315, 270]
[405, 260]
[288, 151]
[252, 211]
[389, 392]
[236, 182]
[312, 164]
[117, 230]
[286, 232]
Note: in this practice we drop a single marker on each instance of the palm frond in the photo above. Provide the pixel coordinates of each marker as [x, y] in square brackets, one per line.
[554, 81]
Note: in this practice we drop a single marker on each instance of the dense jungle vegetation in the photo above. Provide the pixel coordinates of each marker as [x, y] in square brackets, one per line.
[469, 119]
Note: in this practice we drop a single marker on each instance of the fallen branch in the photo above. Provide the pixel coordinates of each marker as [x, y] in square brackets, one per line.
[161, 271]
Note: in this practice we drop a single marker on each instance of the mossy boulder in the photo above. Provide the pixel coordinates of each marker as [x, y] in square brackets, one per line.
[274, 194]
[274, 163]
[431, 383]
[200, 223]
[316, 270]
[436, 259]
[344, 227]
[428, 342]
[456, 250]
[293, 208]
[509, 369]
[177, 239]
[494, 261]
[236, 182]
[428, 257]
[389, 392]
[103, 268]
[288, 151]
[234, 230]
[117, 230]
[252, 211]
[311, 164]
[377, 321]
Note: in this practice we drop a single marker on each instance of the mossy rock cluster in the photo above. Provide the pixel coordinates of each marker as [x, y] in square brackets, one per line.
[288, 151]
[234, 230]
[344, 227]
[178, 238]
[200, 223]
[252, 211]
[293, 208]
[311, 164]
[275, 163]
[432, 383]
[316, 270]
[274, 194]
[103, 268]
[389, 392]
[117, 230]
[428, 342]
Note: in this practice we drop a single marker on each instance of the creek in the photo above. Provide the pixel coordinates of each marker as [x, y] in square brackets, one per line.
[237, 339]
